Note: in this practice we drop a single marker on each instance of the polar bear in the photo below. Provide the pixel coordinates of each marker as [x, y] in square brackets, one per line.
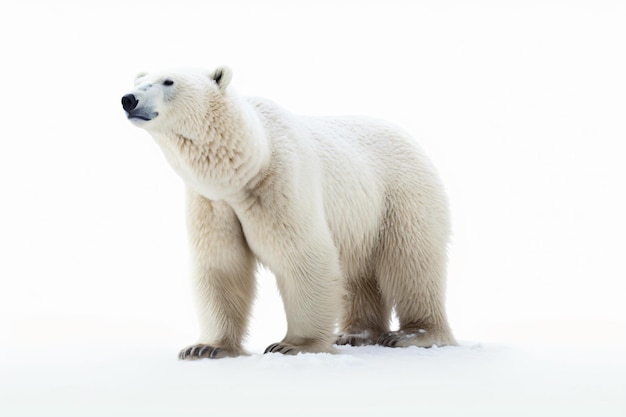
[347, 212]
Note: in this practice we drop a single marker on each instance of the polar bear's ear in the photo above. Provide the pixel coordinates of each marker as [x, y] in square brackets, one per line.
[139, 76]
[222, 77]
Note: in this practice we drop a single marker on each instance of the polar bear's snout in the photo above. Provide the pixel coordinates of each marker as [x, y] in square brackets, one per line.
[129, 102]
[134, 111]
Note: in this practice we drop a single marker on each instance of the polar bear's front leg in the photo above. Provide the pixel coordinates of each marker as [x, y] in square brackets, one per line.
[223, 278]
[308, 274]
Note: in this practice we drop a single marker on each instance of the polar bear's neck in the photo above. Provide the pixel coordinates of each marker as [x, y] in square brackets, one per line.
[223, 153]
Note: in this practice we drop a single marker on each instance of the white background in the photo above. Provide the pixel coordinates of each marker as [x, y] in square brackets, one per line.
[520, 104]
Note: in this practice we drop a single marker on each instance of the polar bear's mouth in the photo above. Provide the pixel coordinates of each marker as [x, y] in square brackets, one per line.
[142, 116]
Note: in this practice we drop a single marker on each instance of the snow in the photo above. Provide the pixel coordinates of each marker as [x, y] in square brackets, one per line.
[520, 104]
[97, 366]
[472, 379]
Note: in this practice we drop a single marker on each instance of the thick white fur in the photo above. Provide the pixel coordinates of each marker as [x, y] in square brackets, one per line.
[347, 212]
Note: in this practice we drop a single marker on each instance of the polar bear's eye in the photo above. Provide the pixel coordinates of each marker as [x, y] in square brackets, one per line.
[168, 82]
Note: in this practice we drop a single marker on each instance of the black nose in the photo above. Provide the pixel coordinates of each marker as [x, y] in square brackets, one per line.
[129, 102]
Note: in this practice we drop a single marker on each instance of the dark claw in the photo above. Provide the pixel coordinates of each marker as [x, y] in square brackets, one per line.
[392, 339]
[186, 353]
[363, 338]
[204, 351]
[279, 348]
[214, 352]
[388, 339]
[270, 348]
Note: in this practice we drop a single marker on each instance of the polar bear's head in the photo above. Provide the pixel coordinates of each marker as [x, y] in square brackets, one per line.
[172, 100]
[209, 136]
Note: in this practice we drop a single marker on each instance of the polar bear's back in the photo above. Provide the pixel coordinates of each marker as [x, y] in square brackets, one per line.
[381, 160]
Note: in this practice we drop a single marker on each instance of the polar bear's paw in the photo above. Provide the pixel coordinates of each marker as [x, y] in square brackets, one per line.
[284, 348]
[201, 351]
[416, 337]
[293, 349]
[363, 338]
